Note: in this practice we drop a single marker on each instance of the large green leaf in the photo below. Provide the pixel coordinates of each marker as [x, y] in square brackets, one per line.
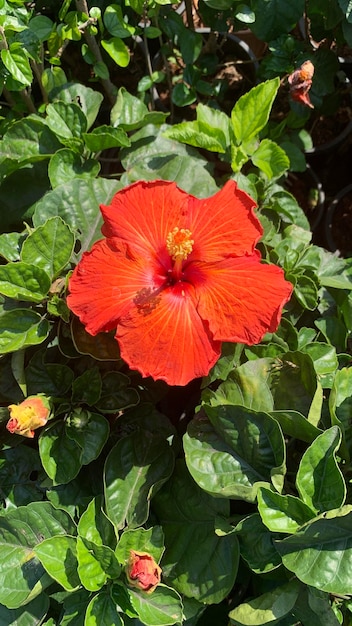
[320, 554]
[160, 608]
[66, 120]
[21, 574]
[58, 555]
[270, 159]
[16, 61]
[188, 517]
[267, 608]
[49, 246]
[340, 406]
[319, 480]
[251, 111]
[282, 514]
[149, 540]
[32, 614]
[296, 382]
[130, 113]
[296, 425]
[77, 203]
[28, 140]
[135, 468]
[66, 165]
[53, 379]
[118, 51]
[24, 281]
[105, 137]
[102, 611]
[275, 17]
[21, 475]
[89, 99]
[235, 452]
[20, 328]
[256, 545]
[90, 431]
[60, 455]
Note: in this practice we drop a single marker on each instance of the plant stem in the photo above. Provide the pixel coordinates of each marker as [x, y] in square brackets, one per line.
[109, 87]
[189, 13]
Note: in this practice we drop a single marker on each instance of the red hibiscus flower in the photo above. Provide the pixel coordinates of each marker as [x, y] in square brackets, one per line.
[176, 276]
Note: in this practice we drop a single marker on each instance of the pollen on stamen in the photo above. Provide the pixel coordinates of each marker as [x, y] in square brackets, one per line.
[179, 243]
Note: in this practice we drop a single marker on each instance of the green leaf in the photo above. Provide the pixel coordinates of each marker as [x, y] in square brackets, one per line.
[17, 467]
[275, 17]
[105, 137]
[91, 434]
[320, 554]
[251, 112]
[49, 246]
[20, 328]
[267, 608]
[117, 50]
[319, 480]
[102, 611]
[10, 245]
[131, 113]
[306, 292]
[86, 388]
[16, 62]
[58, 555]
[65, 165]
[116, 394]
[66, 120]
[189, 521]
[28, 140]
[234, 452]
[270, 159]
[74, 608]
[190, 133]
[94, 563]
[52, 379]
[160, 608]
[77, 203]
[282, 514]
[296, 425]
[135, 468]
[89, 99]
[149, 540]
[340, 406]
[114, 22]
[95, 526]
[60, 455]
[256, 545]
[24, 281]
[21, 574]
[32, 614]
[296, 383]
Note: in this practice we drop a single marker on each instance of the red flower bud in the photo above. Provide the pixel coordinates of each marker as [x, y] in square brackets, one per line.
[142, 571]
[28, 415]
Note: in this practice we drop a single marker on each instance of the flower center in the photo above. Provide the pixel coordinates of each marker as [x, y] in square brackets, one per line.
[179, 243]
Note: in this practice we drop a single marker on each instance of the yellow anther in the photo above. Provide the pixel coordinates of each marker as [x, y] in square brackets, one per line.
[179, 243]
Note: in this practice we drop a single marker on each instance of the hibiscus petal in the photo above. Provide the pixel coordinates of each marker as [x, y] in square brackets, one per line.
[224, 224]
[170, 342]
[242, 299]
[106, 282]
[143, 214]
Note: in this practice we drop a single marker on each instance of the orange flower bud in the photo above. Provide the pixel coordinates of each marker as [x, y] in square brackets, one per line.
[32, 413]
[142, 571]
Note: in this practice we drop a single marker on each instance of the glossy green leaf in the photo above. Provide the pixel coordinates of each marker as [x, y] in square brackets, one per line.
[251, 111]
[296, 383]
[87, 387]
[160, 608]
[320, 554]
[52, 379]
[267, 608]
[270, 159]
[16, 62]
[149, 540]
[77, 203]
[32, 614]
[256, 545]
[49, 246]
[188, 522]
[314, 606]
[58, 555]
[21, 475]
[282, 514]
[275, 17]
[131, 113]
[296, 425]
[114, 22]
[66, 165]
[24, 281]
[20, 328]
[116, 394]
[135, 468]
[10, 245]
[102, 611]
[306, 292]
[60, 455]
[340, 406]
[74, 608]
[192, 134]
[66, 119]
[235, 451]
[90, 433]
[94, 525]
[117, 50]
[105, 137]
[324, 360]
[89, 99]
[247, 385]
[21, 575]
[319, 480]
[28, 140]
[90, 571]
